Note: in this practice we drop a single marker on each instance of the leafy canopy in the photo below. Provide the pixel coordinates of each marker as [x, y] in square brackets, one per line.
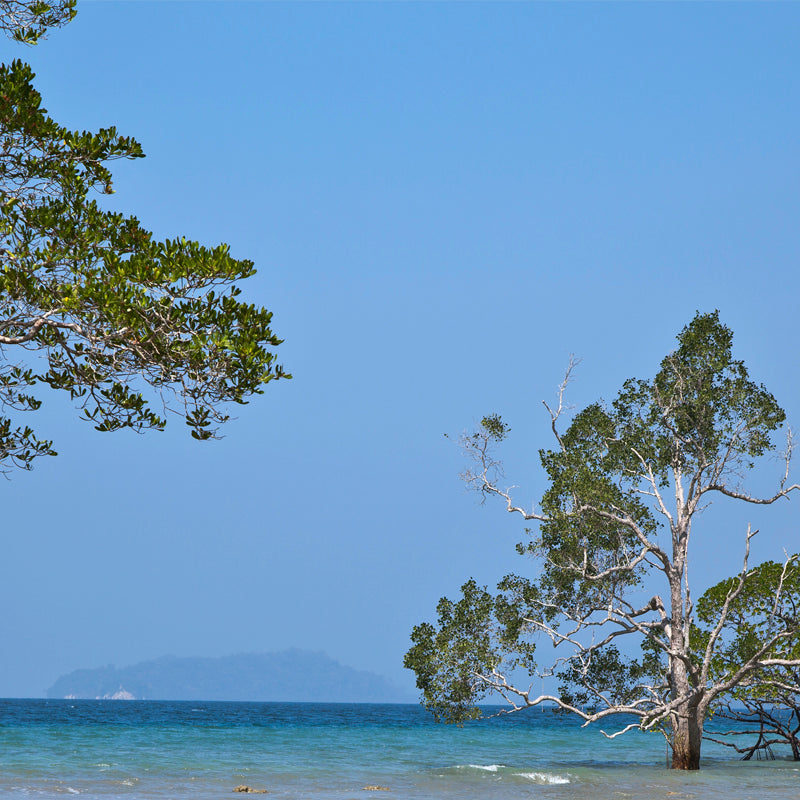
[27, 21]
[761, 605]
[106, 309]
[604, 536]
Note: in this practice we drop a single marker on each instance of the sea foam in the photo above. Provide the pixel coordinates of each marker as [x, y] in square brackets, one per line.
[485, 767]
[545, 778]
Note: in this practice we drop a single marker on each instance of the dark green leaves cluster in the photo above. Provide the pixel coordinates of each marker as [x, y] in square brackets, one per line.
[761, 623]
[606, 678]
[701, 414]
[592, 514]
[472, 638]
[700, 420]
[767, 609]
[494, 427]
[108, 311]
[705, 403]
[27, 21]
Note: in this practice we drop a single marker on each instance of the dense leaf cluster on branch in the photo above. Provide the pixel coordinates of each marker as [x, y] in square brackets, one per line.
[27, 21]
[90, 303]
[761, 624]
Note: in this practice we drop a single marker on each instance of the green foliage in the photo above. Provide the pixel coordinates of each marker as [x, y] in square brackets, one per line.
[592, 510]
[705, 403]
[766, 609]
[27, 21]
[468, 642]
[761, 622]
[108, 310]
[700, 414]
[494, 427]
[693, 428]
[607, 679]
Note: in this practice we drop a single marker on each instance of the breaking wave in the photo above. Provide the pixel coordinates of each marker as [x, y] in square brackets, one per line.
[544, 778]
[484, 767]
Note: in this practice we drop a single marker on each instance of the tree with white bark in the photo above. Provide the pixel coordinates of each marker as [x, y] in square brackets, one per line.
[610, 545]
[765, 706]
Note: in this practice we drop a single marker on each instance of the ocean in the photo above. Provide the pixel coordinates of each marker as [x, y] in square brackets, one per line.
[149, 750]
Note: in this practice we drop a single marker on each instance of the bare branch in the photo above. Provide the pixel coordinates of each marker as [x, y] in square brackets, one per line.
[555, 415]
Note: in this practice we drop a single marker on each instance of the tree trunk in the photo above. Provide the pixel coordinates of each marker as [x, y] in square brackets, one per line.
[687, 736]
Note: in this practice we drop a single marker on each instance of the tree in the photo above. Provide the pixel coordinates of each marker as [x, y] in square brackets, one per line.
[611, 555]
[27, 21]
[766, 705]
[770, 712]
[90, 303]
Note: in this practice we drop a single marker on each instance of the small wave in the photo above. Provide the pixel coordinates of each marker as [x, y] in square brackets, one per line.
[543, 778]
[484, 767]
[70, 790]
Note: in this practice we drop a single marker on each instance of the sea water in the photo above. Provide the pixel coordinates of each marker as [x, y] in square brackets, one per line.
[148, 750]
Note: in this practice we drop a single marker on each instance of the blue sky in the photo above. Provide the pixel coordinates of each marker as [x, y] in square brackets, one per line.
[443, 201]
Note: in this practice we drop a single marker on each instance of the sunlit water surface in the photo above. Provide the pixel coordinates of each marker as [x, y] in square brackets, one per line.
[164, 750]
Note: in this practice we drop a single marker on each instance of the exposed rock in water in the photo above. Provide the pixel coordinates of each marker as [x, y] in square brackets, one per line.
[120, 694]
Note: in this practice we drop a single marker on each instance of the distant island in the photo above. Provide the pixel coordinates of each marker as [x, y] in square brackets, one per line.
[288, 676]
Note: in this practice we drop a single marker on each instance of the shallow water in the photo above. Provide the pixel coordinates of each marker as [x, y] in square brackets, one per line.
[158, 750]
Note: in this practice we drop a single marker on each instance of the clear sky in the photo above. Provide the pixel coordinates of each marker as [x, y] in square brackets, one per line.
[443, 201]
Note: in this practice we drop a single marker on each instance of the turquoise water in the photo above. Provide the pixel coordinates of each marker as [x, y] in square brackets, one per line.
[157, 750]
